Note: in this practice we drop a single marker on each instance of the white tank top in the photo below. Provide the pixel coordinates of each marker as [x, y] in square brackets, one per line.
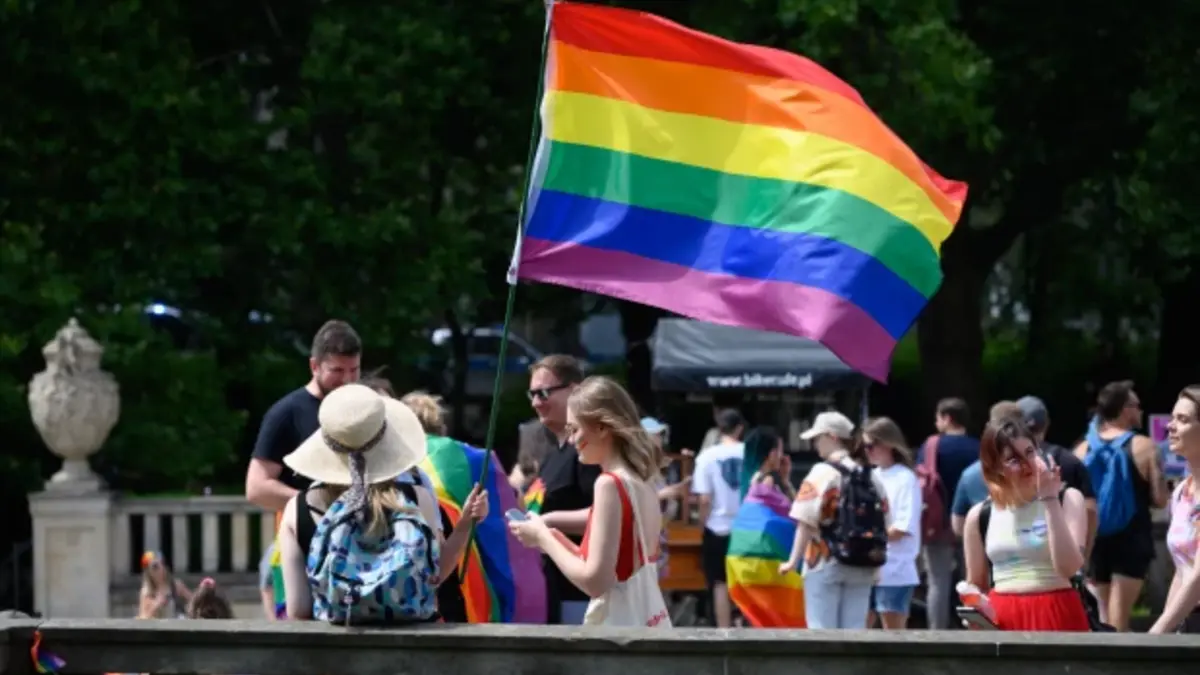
[1018, 544]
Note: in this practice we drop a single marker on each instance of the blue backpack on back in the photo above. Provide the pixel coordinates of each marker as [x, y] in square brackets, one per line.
[363, 577]
[1111, 471]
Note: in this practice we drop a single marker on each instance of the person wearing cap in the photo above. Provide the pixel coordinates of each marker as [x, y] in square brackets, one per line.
[365, 443]
[835, 595]
[716, 481]
[1074, 474]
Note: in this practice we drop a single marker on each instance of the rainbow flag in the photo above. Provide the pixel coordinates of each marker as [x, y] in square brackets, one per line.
[277, 578]
[730, 183]
[534, 495]
[503, 580]
[759, 542]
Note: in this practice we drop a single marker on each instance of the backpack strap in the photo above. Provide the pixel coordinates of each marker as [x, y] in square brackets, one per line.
[306, 525]
[929, 461]
[410, 493]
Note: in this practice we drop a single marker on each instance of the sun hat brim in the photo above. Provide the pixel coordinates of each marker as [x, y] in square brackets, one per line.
[402, 447]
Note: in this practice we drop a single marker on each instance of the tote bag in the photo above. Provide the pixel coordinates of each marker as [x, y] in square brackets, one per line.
[637, 601]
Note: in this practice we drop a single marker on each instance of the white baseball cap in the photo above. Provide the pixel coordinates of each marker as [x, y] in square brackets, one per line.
[833, 423]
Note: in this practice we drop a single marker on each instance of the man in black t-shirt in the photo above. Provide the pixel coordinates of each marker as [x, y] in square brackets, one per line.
[1074, 474]
[335, 358]
[568, 485]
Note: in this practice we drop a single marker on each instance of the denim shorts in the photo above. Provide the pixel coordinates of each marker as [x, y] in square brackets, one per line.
[892, 599]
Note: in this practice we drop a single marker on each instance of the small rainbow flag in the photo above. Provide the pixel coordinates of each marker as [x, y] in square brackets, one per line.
[760, 541]
[43, 661]
[730, 183]
[277, 579]
[535, 494]
[503, 580]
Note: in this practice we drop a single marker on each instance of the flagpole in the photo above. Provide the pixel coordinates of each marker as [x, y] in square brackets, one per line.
[510, 303]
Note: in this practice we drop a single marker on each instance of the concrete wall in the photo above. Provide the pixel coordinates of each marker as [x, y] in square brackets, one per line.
[230, 647]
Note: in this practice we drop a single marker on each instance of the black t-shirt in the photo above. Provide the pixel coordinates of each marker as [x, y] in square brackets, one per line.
[1074, 474]
[569, 486]
[286, 425]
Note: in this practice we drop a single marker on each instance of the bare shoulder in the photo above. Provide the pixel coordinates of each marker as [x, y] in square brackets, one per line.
[1073, 497]
[605, 484]
[973, 515]
[1144, 446]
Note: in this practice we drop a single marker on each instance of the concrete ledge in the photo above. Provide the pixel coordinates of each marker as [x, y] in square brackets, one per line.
[267, 648]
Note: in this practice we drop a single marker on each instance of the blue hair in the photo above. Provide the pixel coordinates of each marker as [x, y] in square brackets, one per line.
[759, 444]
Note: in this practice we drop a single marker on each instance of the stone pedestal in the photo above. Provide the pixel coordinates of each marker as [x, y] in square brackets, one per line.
[71, 554]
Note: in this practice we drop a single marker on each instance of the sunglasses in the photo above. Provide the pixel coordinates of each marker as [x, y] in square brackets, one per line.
[545, 392]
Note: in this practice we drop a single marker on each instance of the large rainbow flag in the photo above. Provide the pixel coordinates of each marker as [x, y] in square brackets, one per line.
[503, 580]
[730, 183]
[760, 541]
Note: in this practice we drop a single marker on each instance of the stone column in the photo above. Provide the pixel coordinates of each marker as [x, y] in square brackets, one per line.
[74, 405]
[71, 554]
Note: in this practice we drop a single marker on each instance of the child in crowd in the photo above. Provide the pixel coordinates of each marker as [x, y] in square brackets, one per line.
[208, 603]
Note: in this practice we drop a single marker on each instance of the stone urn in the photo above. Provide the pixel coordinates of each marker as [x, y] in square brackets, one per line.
[74, 405]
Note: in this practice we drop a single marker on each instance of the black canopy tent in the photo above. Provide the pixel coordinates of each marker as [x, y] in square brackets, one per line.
[692, 356]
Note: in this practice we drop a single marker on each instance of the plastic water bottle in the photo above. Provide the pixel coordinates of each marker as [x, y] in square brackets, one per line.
[971, 596]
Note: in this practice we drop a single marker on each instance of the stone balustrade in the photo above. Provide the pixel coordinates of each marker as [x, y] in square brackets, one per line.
[88, 547]
[305, 648]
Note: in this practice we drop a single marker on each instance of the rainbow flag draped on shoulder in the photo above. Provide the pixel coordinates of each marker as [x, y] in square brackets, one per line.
[503, 580]
[729, 183]
[760, 541]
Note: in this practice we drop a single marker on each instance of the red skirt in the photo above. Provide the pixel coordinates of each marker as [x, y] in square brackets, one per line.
[1060, 610]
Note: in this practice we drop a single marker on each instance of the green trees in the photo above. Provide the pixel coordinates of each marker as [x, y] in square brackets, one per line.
[265, 166]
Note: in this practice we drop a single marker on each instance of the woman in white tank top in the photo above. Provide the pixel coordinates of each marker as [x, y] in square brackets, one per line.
[1034, 538]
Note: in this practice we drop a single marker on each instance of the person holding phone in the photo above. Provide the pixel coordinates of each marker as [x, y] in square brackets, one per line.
[1026, 542]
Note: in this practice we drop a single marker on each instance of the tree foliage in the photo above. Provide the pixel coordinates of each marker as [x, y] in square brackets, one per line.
[265, 166]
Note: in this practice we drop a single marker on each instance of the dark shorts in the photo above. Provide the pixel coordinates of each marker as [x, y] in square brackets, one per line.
[713, 548]
[1126, 554]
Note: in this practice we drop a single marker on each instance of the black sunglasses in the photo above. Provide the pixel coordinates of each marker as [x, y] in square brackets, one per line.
[545, 392]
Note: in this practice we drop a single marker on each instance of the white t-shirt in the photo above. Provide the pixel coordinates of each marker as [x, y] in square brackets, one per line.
[904, 501]
[718, 474]
[816, 505]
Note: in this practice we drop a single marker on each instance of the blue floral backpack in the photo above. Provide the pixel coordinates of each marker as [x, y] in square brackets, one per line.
[359, 576]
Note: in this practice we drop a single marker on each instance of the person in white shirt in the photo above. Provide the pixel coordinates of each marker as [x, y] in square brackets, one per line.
[898, 578]
[716, 481]
[836, 594]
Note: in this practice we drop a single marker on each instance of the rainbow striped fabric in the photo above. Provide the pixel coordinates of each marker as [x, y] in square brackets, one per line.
[760, 541]
[730, 183]
[534, 496]
[503, 580]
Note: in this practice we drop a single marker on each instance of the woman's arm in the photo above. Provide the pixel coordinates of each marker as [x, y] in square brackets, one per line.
[1066, 527]
[570, 522]
[598, 573]
[974, 552]
[182, 591]
[293, 561]
[1181, 601]
[804, 534]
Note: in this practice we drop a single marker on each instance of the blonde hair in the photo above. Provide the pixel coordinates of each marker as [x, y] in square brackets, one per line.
[149, 584]
[1005, 410]
[886, 431]
[601, 402]
[382, 498]
[428, 409]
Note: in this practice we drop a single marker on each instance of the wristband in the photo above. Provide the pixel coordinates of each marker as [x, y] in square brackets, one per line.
[1052, 498]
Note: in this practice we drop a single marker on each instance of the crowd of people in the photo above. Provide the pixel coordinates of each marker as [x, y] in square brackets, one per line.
[1026, 534]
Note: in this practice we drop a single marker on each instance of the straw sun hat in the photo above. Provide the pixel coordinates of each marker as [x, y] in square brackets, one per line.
[357, 421]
